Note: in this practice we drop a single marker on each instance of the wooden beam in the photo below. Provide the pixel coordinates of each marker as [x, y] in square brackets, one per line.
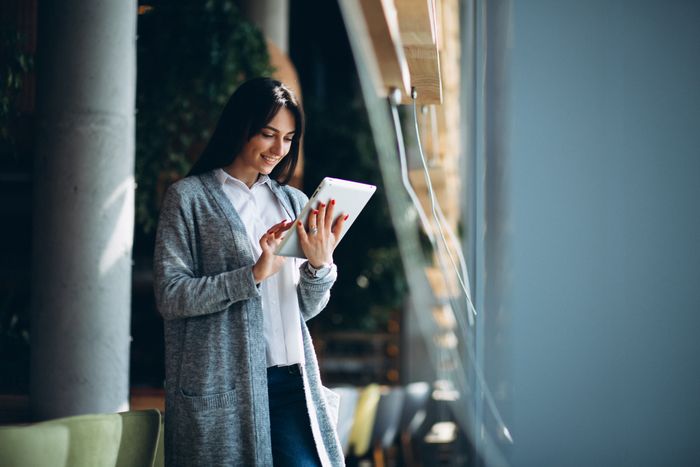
[424, 66]
[383, 29]
[419, 35]
[417, 22]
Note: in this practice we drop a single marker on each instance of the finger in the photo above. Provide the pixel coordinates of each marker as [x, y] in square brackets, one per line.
[288, 225]
[339, 223]
[328, 221]
[313, 219]
[321, 217]
[263, 242]
[279, 231]
[276, 227]
[303, 237]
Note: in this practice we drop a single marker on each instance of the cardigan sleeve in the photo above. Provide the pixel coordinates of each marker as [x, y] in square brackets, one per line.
[314, 293]
[179, 292]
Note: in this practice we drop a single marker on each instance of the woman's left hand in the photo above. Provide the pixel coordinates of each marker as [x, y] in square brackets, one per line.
[320, 241]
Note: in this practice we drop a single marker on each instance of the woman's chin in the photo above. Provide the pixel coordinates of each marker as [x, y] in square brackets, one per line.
[267, 168]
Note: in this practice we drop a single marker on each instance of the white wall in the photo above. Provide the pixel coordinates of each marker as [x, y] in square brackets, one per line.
[588, 229]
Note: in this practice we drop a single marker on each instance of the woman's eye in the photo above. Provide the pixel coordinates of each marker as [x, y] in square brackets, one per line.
[267, 135]
[289, 140]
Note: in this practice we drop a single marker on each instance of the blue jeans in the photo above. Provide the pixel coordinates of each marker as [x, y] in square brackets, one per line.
[290, 428]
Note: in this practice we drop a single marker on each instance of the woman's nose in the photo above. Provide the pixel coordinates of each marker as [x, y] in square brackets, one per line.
[277, 147]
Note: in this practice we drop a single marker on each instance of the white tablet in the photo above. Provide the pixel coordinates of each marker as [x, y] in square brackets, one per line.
[350, 198]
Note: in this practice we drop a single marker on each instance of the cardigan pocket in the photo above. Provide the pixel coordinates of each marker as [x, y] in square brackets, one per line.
[208, 430]
[333, 403]
[220, 400]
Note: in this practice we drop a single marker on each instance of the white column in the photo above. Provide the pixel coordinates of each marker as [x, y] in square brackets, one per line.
[83, 207]
[272, 17]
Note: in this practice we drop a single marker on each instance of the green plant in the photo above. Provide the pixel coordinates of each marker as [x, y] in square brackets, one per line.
[191, 56]
[371, 286]
[14, 338]
[16, 63]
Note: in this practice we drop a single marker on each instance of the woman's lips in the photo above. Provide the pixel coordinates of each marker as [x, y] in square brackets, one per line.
[271, 160]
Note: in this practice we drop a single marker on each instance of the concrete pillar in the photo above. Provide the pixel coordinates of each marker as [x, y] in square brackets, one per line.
[272, 17]
[83, 207]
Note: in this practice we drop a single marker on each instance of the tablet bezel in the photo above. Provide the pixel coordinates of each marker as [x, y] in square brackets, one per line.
[351, 197]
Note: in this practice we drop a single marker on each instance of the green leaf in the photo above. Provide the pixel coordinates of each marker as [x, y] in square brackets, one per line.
[189, 62]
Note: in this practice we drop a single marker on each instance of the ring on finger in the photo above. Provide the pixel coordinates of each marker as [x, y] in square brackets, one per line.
[313, 230]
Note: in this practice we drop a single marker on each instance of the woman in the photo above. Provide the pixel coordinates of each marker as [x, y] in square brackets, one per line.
[242, 379]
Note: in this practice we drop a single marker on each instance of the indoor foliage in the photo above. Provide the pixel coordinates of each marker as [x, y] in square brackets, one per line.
[16, 63]
[191, 57]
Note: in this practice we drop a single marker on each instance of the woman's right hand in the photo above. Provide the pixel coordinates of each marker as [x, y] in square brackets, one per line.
[269, 263]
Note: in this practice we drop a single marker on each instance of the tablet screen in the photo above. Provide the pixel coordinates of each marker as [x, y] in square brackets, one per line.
[350, 198]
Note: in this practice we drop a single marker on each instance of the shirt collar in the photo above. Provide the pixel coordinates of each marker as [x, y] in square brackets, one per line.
[222, 176]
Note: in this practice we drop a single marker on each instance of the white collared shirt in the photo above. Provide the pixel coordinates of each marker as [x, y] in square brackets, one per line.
[259, 209]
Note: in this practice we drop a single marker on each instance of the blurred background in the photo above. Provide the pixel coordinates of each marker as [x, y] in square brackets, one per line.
[522, 289]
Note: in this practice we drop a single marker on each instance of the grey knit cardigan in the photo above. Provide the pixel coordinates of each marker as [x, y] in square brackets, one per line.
[215, 362]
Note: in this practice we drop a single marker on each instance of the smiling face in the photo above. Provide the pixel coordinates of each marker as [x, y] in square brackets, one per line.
[265, 149]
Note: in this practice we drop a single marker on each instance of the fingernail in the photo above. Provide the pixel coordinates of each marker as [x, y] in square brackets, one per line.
[323, 205]
[299, 223]
[346, 217]
[332, 202]
[316, 211]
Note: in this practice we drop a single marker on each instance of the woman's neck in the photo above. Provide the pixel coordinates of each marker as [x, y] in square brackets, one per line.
[244, 174]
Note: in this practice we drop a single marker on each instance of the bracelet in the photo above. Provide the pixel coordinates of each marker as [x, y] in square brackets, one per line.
[317, 272]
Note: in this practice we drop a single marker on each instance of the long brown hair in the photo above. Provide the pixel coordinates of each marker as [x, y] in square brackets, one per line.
[249, 109]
